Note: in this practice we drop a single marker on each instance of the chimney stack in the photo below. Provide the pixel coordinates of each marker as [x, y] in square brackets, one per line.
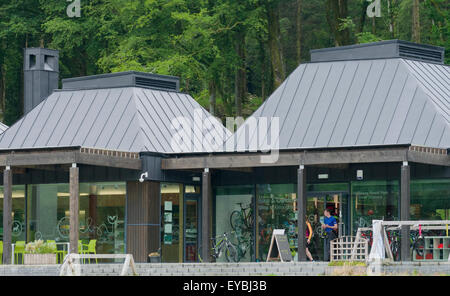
[41, 74]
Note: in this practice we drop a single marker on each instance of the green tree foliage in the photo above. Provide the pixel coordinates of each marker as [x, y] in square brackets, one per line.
[229, 54]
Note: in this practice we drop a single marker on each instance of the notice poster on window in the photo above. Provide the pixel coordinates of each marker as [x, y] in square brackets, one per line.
[168, 206]
[167, 239]
[168, 217]
[168, 228]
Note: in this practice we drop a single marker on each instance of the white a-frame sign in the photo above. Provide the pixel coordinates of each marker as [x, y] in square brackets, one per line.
[279, 247]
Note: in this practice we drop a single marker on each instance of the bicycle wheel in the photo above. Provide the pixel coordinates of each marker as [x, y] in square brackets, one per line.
[200, 254]
[419, 246]
[231, 253]
[236, 220]
[395, 248]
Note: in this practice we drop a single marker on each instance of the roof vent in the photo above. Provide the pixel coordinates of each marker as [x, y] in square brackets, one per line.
[124, 79]
[380, 50]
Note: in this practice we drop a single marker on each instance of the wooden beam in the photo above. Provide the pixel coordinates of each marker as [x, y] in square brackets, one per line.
[428, 158]
[223, 161]
[109, 161]
[74, 208]
[57, 157]
[7, 215]
[39, 158]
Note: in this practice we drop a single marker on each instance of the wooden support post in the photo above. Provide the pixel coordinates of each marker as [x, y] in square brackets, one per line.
[7, 215]
[301, 212]
[74, 208]
[404, 210]
[206, 208]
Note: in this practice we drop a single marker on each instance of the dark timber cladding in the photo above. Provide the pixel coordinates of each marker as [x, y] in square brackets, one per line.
[7, 215]
[143, 215]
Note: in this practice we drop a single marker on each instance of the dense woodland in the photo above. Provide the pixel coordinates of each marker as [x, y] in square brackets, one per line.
[229, 54]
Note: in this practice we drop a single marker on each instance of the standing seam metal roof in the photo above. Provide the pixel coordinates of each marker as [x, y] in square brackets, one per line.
[125, 119]
[357, 103]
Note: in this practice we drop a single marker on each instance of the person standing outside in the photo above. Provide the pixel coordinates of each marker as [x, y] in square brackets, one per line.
[309, 234]
[330, 226]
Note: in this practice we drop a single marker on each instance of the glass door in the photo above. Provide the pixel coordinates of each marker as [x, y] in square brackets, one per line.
[191, 227]
[315, 205]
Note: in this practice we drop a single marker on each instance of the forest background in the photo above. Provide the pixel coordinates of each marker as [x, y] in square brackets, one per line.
[229, 54]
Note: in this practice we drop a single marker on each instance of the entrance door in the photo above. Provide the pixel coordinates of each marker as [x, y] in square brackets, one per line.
[191, 227]
[316, 203]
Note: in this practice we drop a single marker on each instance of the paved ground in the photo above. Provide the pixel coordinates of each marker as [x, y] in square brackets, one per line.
[234, 269]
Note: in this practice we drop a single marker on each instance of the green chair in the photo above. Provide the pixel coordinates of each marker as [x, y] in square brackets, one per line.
[90, 248]
[19, 248]
[57, 252]
[1, 252]
[80, 248]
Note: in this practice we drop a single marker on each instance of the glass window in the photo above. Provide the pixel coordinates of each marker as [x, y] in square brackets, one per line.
[430, 199]
[101, 214]
[18, 213]
[171, 222]
[276, 208]
[373, 200]
[233, 214]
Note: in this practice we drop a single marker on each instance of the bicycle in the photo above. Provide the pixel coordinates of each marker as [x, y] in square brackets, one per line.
[368, 236]
[242, 218]
[417, 243]
[394, 244]
[244, 244]
[222, 246]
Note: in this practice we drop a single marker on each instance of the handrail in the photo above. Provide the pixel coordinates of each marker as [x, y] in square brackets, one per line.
[72, 265]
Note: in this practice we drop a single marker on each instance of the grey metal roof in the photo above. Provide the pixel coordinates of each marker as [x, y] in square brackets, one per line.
[125, 119]
[358, 103]
[381, 49]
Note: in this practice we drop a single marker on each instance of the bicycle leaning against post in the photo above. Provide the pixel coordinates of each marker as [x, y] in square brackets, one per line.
[221, 245]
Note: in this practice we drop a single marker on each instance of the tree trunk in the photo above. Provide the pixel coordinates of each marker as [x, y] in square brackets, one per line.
[416, 22]
[299, 31]
[337, 10]
[276, 55]
[363, 15]
[240, 74]
[212, 97]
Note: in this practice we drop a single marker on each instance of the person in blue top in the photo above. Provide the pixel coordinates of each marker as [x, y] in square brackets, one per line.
[330, 226]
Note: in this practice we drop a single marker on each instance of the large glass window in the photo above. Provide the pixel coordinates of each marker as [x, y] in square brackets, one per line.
[373, 200]
[101, 214]
[234, 215]
[430, 199]
[276, 208]
[18, 213]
